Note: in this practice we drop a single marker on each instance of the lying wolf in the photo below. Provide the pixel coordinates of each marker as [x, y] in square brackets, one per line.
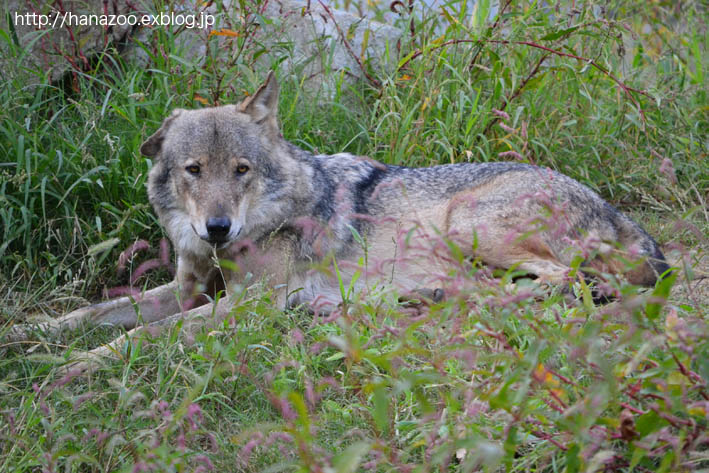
[226, 184]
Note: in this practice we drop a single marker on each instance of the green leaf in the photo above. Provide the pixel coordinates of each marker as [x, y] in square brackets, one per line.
[667, 462]
[536, 81]
[648, 423]
[559, 34]
[229, 265]
[586, 295]
[572, 459]
[448, 16]
[638, 455]
[406, 59]
[481, 11]
[662, 291]
[380, 412]
[337, 356]
[103, 246]
[349, 460]
[698, 76]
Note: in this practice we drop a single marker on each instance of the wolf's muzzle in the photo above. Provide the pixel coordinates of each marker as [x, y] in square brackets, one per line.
[218, 229]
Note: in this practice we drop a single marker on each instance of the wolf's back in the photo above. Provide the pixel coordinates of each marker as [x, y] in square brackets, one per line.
[515, 194]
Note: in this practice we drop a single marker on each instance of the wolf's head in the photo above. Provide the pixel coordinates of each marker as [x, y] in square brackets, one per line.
[219, 172]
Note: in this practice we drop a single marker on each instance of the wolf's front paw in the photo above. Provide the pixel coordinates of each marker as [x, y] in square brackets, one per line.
[29, 331]
[83, 363]
[423, 296]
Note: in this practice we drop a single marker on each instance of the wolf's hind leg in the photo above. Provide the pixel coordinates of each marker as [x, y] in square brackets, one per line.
[152, 306]
[206, 315]
[547, 271]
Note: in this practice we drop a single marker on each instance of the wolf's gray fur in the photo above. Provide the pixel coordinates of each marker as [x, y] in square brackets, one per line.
[224, 181]
[490, 203]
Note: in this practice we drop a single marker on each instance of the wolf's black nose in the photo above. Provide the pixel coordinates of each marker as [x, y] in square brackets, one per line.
[218, 227]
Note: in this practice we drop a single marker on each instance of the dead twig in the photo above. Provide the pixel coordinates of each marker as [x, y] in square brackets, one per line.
[490, 30]
[357, 59]
[516, 93]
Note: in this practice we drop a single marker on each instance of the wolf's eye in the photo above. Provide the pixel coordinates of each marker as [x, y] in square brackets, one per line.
[193, 169]
[242, 168]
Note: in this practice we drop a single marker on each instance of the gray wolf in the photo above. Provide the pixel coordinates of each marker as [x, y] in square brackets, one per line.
[227, 186]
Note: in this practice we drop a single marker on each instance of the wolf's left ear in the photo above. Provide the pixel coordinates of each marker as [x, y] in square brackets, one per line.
[153, 144]
[263, 105]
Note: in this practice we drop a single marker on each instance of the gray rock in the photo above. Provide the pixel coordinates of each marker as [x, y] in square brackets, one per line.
[304, 41]
[36, 26]
[324, 39]
[307, 40]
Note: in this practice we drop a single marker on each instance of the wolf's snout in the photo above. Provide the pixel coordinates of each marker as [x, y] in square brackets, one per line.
[218, 228]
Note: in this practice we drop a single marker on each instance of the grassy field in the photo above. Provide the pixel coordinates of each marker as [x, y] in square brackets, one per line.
[612, 94]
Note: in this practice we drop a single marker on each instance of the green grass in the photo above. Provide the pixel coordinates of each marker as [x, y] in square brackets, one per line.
[522, 384]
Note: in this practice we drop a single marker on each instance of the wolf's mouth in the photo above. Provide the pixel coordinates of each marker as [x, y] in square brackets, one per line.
[218, 243]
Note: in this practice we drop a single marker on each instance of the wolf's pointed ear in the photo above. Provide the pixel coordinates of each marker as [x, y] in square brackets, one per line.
[152, 145]
[262, 107]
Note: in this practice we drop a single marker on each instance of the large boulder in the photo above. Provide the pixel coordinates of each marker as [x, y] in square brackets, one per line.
[309, 38]
[327, 39]
[57, 35]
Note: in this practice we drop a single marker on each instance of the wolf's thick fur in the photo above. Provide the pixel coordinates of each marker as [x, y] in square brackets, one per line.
[225, 183]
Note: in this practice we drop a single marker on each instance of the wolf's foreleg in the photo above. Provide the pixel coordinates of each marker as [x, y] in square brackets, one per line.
[207, 315]
[126, 312]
